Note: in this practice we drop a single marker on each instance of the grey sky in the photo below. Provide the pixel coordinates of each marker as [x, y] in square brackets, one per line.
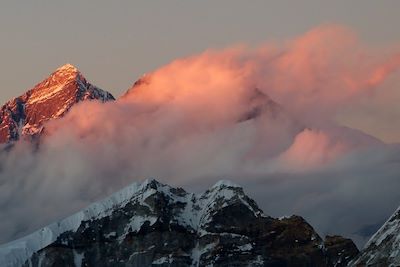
[114, 42]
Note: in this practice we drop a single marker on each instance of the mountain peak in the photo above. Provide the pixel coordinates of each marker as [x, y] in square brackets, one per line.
[225, 183]
[154, 224]
[67, 67]
[67, 70]
[61, 75]
[50, 99]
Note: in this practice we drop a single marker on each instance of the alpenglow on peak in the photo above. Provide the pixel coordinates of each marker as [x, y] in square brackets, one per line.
[50, 99]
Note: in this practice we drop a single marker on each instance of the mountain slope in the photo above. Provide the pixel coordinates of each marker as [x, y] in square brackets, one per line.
[253, 102]
[50, 99]
[383, 249]
[152, 224]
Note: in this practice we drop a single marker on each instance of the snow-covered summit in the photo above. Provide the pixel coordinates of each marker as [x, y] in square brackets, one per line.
[50, 99]
[67, 67]
[225, 183]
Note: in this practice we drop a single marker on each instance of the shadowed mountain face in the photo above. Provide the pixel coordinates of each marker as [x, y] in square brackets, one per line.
[25, 115]
[153, 224]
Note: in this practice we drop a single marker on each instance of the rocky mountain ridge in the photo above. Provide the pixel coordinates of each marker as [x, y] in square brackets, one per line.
[152, 224]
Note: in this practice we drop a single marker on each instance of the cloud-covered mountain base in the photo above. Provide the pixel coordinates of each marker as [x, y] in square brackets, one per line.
[263, 117]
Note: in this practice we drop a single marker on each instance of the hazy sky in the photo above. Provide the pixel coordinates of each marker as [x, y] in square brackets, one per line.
[115, 42]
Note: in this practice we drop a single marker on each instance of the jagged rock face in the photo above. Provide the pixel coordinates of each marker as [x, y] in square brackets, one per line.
[50, 99]
[383, 249]
[340, 250]
[155, 225]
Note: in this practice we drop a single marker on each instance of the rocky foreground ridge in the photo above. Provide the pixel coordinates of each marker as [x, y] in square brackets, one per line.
[152, 224]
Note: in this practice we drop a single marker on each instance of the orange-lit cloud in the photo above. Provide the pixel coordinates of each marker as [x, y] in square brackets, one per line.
[382, 71]
[312, 149]
[286, 87]
[248, 114]
[318, 72]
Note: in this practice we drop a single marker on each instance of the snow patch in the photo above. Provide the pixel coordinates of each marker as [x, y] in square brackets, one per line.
[246, 247]
[163, 260]
[226, 183]
[78, 258]
[136, 223]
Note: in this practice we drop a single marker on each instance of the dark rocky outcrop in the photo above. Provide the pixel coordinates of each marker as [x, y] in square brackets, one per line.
[339, 250]
[155, 225]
